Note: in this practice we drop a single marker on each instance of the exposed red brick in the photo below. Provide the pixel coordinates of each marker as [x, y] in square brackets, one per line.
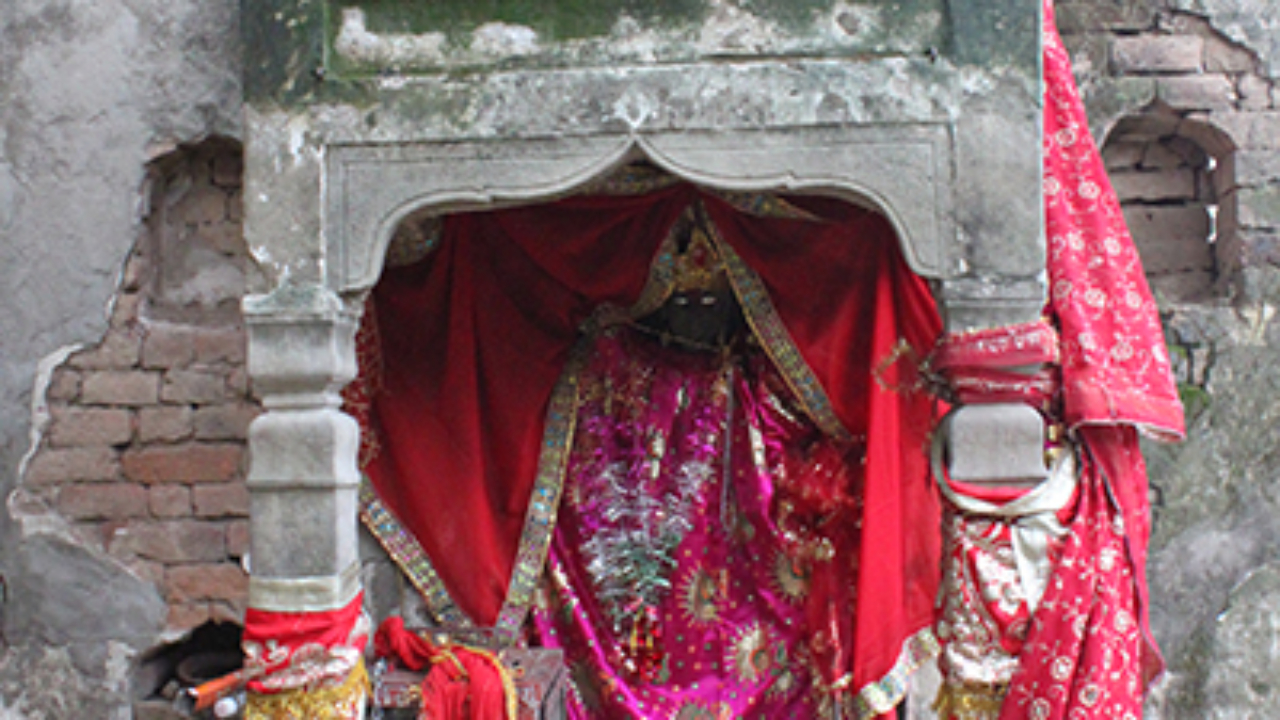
[120, 388]
[124, 310]
[169, 500]
[205, 204]
[224, 422]
[229, 610]
[165, 423]
[102, 501]
[83, 427]
[221, 500]
[167, 347]
[238, 382]
[220, 345]
[226, 238]
[193, 386]
[189, 462]
[186, 616]
[117, 351]
[211, 581]
[152, 572]
[238, 538]
[171, 541]
[64, 385]
[59, 465]
[1222, 55]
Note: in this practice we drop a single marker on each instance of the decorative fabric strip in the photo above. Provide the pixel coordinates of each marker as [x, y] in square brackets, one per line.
[540, 519]
[1007, 346]
[410, 557]
[345, 701]
[777, 342]
[305, 594]
[884, 695]
[308, 651]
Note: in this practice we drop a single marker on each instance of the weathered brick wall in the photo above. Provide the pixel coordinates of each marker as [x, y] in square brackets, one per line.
[144, 450]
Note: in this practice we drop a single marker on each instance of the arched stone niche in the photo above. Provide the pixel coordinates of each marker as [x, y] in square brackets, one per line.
[370, 190]
[930, 112]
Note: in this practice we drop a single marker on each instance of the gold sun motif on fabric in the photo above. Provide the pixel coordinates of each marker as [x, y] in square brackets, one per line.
[751, 655]
[701, 595]
[790, 577]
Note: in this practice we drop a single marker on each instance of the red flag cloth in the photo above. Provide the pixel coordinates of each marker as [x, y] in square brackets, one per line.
[1090, 653]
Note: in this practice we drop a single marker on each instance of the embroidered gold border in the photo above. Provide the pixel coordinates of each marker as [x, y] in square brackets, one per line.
[883, 695]
[778, 343]
[412, 559]
[544, 503]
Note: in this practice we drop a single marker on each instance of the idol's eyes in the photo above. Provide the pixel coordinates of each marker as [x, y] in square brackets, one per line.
[680, 300]
[708, 300]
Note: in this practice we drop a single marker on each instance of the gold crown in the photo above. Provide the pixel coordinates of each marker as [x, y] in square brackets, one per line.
[699, 267]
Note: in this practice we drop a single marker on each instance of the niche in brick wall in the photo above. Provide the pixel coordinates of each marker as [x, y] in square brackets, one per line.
[144, 451]
[1175, 182]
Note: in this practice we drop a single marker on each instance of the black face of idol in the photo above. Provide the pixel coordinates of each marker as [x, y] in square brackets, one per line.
[704, 317]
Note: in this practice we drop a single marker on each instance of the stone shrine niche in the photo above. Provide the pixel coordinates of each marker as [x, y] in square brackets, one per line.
[361, 113]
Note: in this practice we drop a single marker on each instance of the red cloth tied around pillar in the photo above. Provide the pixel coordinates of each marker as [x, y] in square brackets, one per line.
[475, 338]
[306, 664]
[1089, 652]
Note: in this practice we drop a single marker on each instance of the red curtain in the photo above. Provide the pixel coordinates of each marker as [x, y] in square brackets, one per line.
[475, 337]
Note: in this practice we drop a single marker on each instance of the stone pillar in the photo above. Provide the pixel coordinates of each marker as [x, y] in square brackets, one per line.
[303, 476]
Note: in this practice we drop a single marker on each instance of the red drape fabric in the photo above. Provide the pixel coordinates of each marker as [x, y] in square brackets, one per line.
[1090, 653]
[475, 337]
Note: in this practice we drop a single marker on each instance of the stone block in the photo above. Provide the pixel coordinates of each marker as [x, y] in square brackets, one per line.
[85, 427]
[117, 351]
[1156, 53]
[214, 345]
[1167, 223]
[124, 309]
[1197, 92]
[165, 423]
[206, 581]
[1222, 55]
[1254, 92]
[186, 463]
[193, 386]
[1257, 167]
[64, 385]
[235, 207]
[1260, 206]
[129, 387]
[1123, 155]
[237, 538]
[169, 501]
[1155, 186]
[63, 465]
[221, 500]
[1250, 130]
[171, 541]
[224, 422]
[1168, 255]
[103, 501]
[167, 347]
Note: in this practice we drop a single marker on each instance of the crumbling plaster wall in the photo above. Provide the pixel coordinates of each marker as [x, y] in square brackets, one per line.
[90, 92]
